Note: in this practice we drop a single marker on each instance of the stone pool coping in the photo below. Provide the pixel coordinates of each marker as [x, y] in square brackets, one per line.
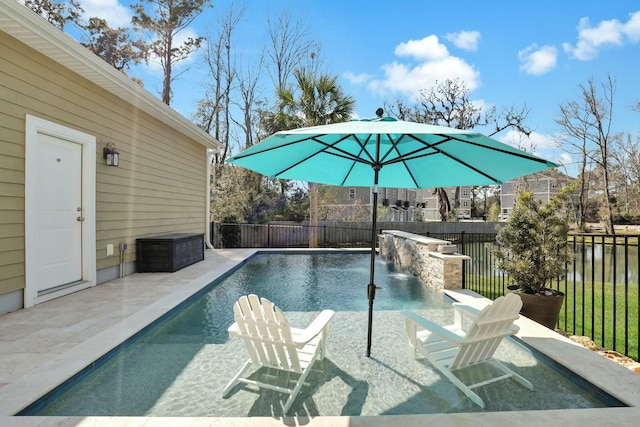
[35, 357]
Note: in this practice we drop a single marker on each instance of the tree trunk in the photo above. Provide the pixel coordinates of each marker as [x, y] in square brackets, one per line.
[584, 193]
[313, 215]
[443, 203]
[166, 84]
[609, 220]
[456, 199]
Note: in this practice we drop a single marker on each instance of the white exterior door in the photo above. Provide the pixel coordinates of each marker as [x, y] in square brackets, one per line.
[60, 235]
[59, 212]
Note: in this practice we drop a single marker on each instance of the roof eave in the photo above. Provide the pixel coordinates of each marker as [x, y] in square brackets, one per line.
[31, 29]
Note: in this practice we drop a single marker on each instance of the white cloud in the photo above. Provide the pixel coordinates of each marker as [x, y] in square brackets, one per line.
[112, 11]
[632, 27]
[606, 33]
[357, 79]
[532, 143]
[538, 60]
[428, 49]
[543, 141]
[432, 63]
[409, 80]
[467, 40]
[564, 159]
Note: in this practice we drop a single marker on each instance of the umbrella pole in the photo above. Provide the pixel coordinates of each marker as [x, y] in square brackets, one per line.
[371, 289]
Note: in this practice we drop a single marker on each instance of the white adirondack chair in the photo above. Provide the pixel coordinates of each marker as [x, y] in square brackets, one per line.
[451, 348]
[272, 343]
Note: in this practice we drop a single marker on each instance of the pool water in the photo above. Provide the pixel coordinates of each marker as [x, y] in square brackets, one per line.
[180, 366]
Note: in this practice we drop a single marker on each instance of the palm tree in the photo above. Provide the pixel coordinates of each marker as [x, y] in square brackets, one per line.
[316, 99]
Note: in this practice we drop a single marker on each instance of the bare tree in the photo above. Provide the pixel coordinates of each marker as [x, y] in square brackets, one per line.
[586, 125]
[510, 118]
[164, 21]
[625, 174]
[288, 47]
[574, 122]
[448, 103]
[229, 23]
[399, 109]
[214, 110]
[248, 78]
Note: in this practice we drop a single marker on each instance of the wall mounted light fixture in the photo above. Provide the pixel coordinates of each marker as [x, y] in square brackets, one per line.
[110, 154]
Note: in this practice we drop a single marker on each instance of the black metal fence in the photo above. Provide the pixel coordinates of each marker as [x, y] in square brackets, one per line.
[600, 285]
[225, 235]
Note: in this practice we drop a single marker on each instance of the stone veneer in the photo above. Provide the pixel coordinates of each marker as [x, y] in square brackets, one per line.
[419, 256]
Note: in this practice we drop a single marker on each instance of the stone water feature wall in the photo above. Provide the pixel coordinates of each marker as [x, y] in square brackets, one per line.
[419, 256]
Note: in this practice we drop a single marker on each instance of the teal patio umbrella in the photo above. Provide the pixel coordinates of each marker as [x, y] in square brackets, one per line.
[387, 152]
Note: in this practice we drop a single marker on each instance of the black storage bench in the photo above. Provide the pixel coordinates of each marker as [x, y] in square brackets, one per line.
[169, 252]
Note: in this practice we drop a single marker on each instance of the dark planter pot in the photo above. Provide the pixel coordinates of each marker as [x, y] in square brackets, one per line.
[544, 309]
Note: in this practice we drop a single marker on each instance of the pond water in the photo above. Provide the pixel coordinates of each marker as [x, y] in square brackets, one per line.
[593, 262]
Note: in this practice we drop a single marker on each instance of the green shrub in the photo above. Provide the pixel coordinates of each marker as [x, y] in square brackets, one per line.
[531, 247]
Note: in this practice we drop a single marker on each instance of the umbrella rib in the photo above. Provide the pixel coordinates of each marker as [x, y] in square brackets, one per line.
[414, 154]
[356, 158]
[394, 147]
[465, 141]
[340, 153]
[346, 154]
[497, 181]
[245, 155]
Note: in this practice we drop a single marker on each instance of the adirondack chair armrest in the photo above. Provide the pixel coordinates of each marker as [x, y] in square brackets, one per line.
[234, 330]
[466, 309]
[461, 311]
[434, 328]
[322, 321]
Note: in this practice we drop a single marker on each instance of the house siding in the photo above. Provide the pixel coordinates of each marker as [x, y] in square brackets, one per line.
[158, 188]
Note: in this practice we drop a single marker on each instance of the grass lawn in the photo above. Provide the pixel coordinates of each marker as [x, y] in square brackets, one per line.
[606, 314]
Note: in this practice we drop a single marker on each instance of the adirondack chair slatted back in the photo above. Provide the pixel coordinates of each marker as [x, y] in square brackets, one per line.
[487, 331]
[266, 333]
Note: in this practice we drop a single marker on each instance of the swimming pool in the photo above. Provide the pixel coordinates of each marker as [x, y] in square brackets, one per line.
[179, 367]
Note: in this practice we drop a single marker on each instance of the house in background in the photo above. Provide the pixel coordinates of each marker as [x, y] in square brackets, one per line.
[65, 214]
[399, 202]
[431, 205]
[544, 185]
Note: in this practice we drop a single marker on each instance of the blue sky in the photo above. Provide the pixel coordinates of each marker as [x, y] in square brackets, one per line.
[534, 52]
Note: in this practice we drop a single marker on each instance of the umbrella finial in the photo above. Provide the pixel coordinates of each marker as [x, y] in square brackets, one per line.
[379, 112]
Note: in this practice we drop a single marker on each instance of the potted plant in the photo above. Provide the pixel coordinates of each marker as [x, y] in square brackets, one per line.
[531, 247]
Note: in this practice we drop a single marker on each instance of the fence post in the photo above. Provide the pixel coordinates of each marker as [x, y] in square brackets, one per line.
[614, 274]
[464, 263]
[212, 233]
[324, 234]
